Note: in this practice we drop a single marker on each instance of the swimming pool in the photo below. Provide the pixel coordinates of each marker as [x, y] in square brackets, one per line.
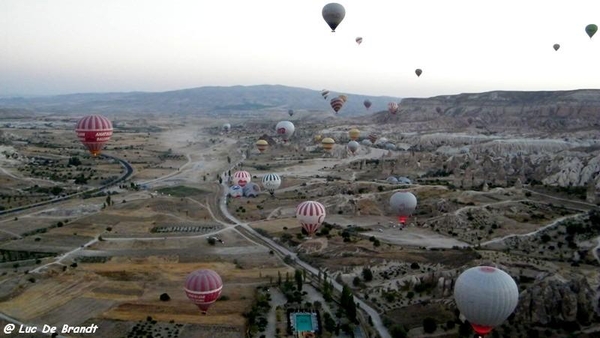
[303, 322]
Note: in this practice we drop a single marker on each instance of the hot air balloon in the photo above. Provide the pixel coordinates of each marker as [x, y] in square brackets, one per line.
[241, 178]
[333, 14]
[486, 296]
[328, 144]
[251, 190]
[358, 40]
[94, 131]
[591, 29]
[290, 112]
[310, 214]
[262, 145]
[367, 104]
[285, 129]
[354, 134]
[318, 138]
[336, 104]
[203, 287]
[226, 127]
[353, 146]
[404, 204]
[343, 97]
[393, 107]
[556, 46]
[236, 191]
[325, 93]
[418, 71]
[372, 138]
[271, 182]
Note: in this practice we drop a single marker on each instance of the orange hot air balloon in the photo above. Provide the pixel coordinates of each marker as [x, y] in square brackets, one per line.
[94, 131]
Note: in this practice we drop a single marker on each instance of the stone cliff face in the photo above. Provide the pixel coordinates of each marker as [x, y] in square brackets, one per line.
[554, 301]
[554, 111]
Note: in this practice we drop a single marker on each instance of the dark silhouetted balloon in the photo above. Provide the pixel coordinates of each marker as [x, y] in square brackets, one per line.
[556, 46]
[333, 14]
[418, 72]
[591, 29]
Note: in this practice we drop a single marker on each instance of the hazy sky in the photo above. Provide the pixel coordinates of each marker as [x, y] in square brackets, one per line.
[74, 46]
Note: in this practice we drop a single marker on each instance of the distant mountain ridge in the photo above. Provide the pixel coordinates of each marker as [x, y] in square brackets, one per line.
[199, 100]
[500, 110]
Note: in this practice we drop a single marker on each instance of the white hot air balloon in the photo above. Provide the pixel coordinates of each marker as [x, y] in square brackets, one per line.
[285, 129]
[486, 296]
[310, 214]
[404, 204]
[353, 146]
[241, 178]
[226, 127]
[271, 182]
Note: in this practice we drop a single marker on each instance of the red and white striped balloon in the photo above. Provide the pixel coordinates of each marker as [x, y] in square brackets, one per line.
[310, 214]
[241, 178]
[94, 131]
[203, 287]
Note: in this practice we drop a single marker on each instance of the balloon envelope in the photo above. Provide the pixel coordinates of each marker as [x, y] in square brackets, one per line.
[262, 145]
[591, 29]
[358, 40]
[203, 287]
[367, 103]
[328, 143]
[290, 112]
[354, 134]
[556, 46]
[226, 127]
[241, 178]
[336, 104]
[94, 131]
[418, 72]
[285, 129]
[403, 204]
[325, 93]
[486, 296]
[353, 146]
[333, 13]
[271, 182]
[310, 214]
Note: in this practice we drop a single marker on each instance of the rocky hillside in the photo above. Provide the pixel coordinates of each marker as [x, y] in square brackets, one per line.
[217, 100]
[499, 111]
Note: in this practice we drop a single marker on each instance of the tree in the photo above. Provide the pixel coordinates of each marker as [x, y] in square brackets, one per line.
[356, 281]
[367, 274]
[298, 278]
[398, 331]
[429, 325]
[212, 241]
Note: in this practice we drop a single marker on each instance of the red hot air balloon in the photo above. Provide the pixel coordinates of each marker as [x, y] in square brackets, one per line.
[241, 178]
[203, 287]
[310, 214]
[94, 131]
[337, 104]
